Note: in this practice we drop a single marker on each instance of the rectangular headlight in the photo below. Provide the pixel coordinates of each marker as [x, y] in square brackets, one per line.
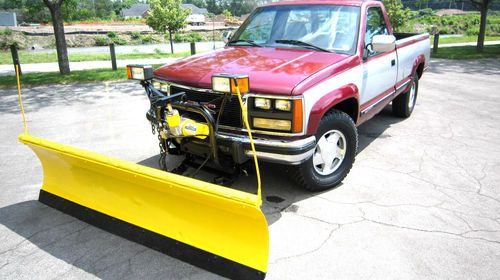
[284, 125]
[283, 105]
[262, 103]
[226, 83]
[140, 72]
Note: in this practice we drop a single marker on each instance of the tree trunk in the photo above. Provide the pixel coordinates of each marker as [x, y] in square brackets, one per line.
[171, 41]
[62, 52]
[482, 28]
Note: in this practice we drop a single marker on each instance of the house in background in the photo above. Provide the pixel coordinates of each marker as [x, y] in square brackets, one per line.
[197, 16]
[8, 19]
[135, 11]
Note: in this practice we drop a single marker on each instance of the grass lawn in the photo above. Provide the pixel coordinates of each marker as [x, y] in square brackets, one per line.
[84, 76]
[33, 57]
[463, 39]
[468, 52]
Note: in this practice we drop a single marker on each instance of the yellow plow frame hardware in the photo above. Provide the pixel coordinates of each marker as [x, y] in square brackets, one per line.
[216, 228]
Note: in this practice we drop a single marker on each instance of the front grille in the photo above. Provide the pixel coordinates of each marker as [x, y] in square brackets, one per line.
[232, 111]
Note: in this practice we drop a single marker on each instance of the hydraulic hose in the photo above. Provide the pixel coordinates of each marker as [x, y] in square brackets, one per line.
[247, 126]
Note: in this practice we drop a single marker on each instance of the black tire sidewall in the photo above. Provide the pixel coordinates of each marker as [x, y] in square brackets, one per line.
[346, 126]
[414, 82]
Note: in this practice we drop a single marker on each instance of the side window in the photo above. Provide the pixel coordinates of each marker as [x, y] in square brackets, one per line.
[375, 24]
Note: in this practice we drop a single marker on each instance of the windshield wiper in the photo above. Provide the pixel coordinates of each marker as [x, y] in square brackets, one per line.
[250, 42]
[301, 43]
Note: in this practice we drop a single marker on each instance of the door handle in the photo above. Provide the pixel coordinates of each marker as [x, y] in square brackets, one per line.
[393, 62]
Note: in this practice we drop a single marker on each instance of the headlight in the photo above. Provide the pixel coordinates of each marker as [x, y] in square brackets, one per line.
[283, 105]
[267, 113]
[165, 87]
[262, 103]
[272, 124]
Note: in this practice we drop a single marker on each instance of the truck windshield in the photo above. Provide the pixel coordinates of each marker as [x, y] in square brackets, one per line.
[331, 28]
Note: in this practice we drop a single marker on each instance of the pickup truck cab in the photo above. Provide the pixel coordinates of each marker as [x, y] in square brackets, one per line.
[317, 70]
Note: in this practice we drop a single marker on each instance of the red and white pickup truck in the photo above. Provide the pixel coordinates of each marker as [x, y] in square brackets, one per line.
[317, 69]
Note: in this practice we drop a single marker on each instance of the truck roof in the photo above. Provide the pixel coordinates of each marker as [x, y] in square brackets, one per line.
[319, 2]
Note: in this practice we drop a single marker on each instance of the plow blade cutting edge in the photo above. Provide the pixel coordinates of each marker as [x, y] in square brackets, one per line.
[213, 227]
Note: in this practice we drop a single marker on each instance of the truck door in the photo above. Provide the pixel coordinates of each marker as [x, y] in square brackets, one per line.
[379, 69]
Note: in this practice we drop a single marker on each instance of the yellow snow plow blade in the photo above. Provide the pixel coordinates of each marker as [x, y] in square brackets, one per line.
[216, 228]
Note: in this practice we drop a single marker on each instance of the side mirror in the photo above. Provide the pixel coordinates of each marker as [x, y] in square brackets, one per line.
[383, 43]
[226, 36]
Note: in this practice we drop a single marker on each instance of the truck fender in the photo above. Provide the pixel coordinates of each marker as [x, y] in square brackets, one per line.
[419, 60]
[328, 101]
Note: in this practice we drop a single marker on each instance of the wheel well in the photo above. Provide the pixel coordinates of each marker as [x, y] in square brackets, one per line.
[348, 106]
[420, 70]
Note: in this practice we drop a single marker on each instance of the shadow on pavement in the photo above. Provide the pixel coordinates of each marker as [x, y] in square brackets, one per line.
[42, 97]
[472, 66]
[110, 257]
[93, 250]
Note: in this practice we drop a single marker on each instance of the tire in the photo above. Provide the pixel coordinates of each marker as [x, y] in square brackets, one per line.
[403, 105]
[313, 176]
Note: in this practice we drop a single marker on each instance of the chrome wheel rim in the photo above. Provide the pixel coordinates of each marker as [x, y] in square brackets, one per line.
[330, 152]
[413, 95]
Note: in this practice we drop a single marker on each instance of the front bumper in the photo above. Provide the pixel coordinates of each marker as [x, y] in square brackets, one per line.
[278, 151]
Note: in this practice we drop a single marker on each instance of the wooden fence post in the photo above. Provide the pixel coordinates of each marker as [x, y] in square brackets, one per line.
[193, 48]
[15, 58]
[113, 56]
[435, 46]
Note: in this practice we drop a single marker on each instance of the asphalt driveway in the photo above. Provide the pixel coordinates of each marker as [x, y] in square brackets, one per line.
[422, 200]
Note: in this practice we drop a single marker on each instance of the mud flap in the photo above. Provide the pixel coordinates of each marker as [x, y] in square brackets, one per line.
[218, 229]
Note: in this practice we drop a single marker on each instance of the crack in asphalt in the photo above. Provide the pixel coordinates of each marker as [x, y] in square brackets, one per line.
[435, 206]
[434, 231]
[330, 234]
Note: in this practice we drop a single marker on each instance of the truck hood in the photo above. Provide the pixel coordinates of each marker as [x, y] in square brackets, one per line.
[271, 70]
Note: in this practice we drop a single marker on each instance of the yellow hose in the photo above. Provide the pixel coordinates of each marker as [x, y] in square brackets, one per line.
[21, 99]
[245, 120]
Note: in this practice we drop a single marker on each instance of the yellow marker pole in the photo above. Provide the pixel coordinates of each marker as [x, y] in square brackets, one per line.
[257, 170]
[21, 99]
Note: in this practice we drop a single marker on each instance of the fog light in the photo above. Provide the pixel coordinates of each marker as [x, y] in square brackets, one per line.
[140, 72]
[284, 125]
[226, 83]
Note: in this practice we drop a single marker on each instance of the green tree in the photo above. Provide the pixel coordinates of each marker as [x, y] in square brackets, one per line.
[483, 7]
[58, 24]
[227, 13]
[398, 14]
[167, 15]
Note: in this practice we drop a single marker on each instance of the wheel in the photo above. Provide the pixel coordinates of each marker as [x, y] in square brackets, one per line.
[403, 105]
[336, 147]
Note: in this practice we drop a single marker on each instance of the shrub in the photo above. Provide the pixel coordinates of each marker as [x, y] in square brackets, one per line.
[101, 41]
[112, 34]
[136, 35]
[194, 37]
[6, 32]
[187, 37]
[148, 39]
[119, 41]
[178, 37]
[426, 12]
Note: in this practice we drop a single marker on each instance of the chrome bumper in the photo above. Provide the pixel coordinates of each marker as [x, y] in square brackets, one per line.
[278, 151]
